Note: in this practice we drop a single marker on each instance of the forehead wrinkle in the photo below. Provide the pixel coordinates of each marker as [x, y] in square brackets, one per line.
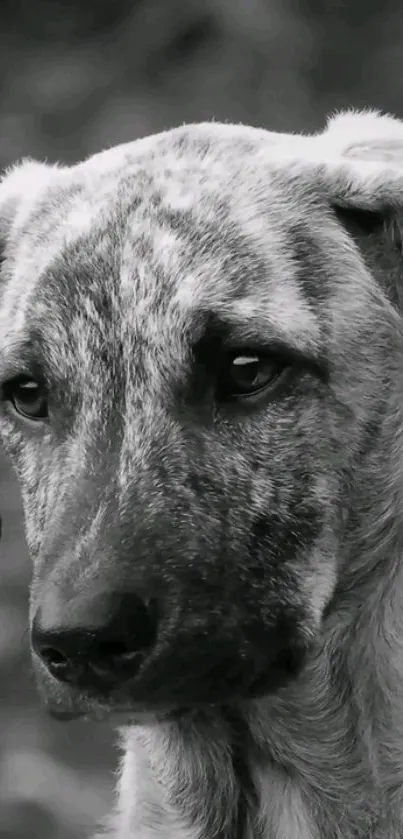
[273, 304]
[15, 356]
[277, 304]
[44, 357]
[248, 324]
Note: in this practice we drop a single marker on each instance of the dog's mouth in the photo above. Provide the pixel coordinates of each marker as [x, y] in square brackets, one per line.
[195, 663]
[119, 716]
[120, 709]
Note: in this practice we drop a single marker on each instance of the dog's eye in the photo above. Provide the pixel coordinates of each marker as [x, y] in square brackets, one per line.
[247, 374]
[28, 397]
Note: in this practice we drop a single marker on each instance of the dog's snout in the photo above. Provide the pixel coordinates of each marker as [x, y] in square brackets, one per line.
[97, 641]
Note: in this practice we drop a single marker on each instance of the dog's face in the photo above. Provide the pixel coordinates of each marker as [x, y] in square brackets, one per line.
[193, 355]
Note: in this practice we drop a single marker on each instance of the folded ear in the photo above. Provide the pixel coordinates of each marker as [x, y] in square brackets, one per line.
[364, 160]
[366, 135]
[362, 173]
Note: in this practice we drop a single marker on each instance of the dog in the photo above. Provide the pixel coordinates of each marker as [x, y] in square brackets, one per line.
[201, 366]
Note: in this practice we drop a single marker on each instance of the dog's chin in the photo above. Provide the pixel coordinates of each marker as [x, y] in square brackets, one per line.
[65, 704]
[125, 707]
[91, 709]
[113, 716]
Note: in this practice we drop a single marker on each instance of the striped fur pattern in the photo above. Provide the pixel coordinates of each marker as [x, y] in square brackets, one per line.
[285, 516]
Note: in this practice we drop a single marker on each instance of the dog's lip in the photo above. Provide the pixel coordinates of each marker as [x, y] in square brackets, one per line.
[65, 716]
[115, 715]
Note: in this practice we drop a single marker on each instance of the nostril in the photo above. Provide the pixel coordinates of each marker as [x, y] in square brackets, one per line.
[52, 656]
[57, 663]
[111, 645]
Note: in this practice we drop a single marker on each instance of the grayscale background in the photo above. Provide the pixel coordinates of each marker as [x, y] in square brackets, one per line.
[80, 75]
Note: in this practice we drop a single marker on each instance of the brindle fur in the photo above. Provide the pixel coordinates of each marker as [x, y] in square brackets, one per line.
[291, 511]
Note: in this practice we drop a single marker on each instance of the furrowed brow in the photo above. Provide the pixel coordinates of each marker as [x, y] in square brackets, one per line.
[21, 356]
[259, 333]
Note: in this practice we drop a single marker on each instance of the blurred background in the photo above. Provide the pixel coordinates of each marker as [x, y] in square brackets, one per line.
[81, 75]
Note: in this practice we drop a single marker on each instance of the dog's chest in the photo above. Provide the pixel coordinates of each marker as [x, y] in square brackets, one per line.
[144, 809]
[146, 813]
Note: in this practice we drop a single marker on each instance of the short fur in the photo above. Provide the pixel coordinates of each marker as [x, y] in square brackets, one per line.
[281, 517]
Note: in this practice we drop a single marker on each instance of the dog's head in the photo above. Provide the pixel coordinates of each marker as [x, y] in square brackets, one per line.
[199, 345]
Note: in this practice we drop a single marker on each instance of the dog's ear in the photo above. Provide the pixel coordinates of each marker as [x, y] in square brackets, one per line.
[362, 174]
[364, 159]
[20, 188]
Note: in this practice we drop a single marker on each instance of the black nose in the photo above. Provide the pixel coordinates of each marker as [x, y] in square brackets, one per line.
[95, 642]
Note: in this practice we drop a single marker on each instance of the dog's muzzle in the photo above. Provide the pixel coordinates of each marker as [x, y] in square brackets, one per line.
[122, 650]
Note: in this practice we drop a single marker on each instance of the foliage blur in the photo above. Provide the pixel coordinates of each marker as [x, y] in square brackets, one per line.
[80, 75]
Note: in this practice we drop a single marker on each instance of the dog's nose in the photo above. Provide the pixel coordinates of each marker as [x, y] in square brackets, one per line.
[98, 641]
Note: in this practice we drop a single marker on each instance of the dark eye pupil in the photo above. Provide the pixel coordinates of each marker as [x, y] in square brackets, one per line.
[245, 371]
[247, 374]
[29, 399]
